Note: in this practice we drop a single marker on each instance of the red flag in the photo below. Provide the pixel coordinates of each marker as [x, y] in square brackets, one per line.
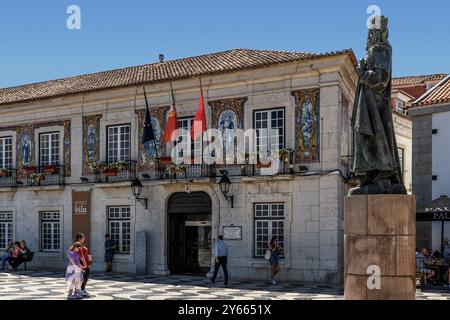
[171, 124]
[199, 125]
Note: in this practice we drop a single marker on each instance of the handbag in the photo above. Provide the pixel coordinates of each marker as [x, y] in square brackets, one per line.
[268, 254]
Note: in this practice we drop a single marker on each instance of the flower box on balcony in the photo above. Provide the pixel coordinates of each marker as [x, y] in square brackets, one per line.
[29, 170]
[260, 165]
[165, 160]
[110, 172]
[5, 172]
[50, 169]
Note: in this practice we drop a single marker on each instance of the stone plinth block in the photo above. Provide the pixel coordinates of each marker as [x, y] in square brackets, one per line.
[380, 236]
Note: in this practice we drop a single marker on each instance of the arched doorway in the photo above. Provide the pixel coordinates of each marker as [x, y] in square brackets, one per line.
[189, 233]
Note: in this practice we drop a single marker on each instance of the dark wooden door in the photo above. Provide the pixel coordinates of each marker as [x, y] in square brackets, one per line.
[177, 254]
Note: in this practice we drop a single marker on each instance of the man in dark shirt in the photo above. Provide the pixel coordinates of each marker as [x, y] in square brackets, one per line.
[110, 250]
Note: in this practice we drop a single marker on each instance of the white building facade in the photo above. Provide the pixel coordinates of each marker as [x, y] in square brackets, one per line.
[51, 133]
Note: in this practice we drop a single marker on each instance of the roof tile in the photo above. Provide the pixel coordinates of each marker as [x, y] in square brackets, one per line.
[214, 63]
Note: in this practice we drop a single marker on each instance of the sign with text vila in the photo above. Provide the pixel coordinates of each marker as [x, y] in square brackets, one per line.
[81, 213]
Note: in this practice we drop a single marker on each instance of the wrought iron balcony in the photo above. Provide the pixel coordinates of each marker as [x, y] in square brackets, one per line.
[8, 178]
[42, 175]
[166, 169]
[111, 172]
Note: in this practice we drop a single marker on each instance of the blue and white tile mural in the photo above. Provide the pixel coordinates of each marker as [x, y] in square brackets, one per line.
[228, 125]
[307, 119]
[149, 147]
[147, 151]
[91, 140]
[228, 114]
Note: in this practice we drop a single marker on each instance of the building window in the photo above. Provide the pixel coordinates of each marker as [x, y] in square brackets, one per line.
[269, 125]
[119, 142]
[6, 155]
[119, 227]
[186, 124]
[269, 222]
[401, 155]
[49, 148]
[50, 231]
[399, 105]
[6, 228]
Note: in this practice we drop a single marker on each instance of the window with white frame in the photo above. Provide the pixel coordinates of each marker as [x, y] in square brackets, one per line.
[119, 221]
[187, 123]
[6, 152]
[119, 143]
[50, 231]
[6, 228]
[399, 105]
[269, 222]
[49, 148]
[269, 126]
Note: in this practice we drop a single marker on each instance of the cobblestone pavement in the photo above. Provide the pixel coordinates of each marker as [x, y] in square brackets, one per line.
[50, 285]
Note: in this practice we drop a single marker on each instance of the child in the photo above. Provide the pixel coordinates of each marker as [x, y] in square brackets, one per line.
[74, 277]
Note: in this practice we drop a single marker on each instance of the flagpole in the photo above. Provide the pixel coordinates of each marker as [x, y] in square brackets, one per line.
[201, 93]
[154, 140]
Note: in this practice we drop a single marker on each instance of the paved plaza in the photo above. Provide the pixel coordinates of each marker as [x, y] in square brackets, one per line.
[50, 285]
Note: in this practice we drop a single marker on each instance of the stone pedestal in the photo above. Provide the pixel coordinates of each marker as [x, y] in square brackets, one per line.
[380, 231]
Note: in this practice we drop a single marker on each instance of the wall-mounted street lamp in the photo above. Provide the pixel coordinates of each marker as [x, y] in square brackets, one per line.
[225, 184]
[136, 187]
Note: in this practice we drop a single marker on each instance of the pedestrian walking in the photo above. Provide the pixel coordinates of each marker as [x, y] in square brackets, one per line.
[74, 276]
[275, 251]
[221, 257]
[110, 250]
[86, 261]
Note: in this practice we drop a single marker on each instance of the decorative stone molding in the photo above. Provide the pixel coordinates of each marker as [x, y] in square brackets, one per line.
[307, 125]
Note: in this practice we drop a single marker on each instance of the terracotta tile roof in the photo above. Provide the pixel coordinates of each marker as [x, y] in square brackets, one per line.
[208, 64]
[437, 95]
[416, 80]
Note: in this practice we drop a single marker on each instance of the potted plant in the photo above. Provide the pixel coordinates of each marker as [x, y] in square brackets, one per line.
[97, 166]
[50, 169]
[38, 177]
[4, 172]
[29, 170]
[122, 165]
[172, 168]
[182, 168]
[110, 170]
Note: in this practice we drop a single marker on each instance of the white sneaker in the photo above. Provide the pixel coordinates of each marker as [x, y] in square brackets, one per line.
[274, 282]
[85, 294]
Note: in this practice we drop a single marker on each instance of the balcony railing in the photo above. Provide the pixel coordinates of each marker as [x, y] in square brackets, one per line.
[8, 178]
[43, 175]
[112, 172]
[165, 169]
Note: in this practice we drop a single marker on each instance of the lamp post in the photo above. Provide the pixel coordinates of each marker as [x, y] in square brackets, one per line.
[225, 184]
[136, 187]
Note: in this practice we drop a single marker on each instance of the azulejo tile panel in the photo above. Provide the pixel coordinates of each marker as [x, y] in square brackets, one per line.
[91, 140]
[307, 125]
[148, 152]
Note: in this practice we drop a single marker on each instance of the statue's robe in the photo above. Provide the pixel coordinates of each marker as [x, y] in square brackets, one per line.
[375, 147]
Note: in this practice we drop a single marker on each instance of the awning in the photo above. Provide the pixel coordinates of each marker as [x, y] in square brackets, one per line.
[437, 210]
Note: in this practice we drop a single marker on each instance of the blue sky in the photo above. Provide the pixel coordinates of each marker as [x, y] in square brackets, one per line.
[35, 44]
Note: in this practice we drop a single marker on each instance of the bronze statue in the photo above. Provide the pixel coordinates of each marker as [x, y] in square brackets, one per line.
[375, 155]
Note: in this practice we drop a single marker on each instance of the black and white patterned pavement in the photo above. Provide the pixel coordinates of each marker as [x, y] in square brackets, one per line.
[50, 285]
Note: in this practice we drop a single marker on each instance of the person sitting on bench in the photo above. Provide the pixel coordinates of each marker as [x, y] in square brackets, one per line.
[22, 254]
[8, 254]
